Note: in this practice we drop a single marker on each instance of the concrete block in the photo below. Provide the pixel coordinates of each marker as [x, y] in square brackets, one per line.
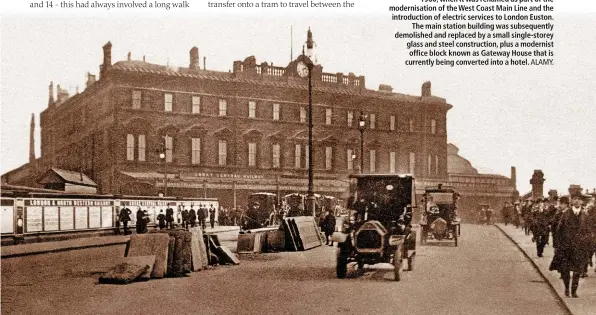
[151, 244]
[140, 261]
[123, 273]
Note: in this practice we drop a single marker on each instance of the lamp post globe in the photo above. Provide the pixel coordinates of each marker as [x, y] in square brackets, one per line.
[162, 156]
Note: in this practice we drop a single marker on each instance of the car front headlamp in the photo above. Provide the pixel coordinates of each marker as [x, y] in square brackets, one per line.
[395, 240]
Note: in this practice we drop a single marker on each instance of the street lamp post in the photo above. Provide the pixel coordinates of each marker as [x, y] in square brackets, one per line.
[361, 125]
[304, 66]
[162, 155]
[310, 196]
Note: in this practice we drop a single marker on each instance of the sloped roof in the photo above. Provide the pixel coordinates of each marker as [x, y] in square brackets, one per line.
[67, 176]
[457, 164]
[6, 188]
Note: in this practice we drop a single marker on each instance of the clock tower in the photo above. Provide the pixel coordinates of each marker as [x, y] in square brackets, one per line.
[306, 62]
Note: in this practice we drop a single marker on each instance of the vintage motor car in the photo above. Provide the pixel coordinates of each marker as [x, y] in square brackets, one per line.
[261, 211]
[439, 219]
[380, 229]
[295, 204]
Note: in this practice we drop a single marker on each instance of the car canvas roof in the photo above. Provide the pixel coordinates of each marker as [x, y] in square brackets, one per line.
[379, 175]
[435, 189]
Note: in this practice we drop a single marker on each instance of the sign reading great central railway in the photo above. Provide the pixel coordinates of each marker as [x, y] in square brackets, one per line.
[227, 175]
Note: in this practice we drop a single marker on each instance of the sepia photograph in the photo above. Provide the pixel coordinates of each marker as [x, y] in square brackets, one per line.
[290, 162]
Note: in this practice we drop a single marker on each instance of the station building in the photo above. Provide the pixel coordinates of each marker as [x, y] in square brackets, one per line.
[145, 129]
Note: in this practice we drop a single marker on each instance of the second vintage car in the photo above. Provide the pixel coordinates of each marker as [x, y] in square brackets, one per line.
[439, 219]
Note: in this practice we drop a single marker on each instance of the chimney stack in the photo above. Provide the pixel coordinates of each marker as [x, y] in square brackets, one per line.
[58, 96]
[204, 63]
[32, 140]
[51, 98]
[385, 88]
[128, 57]
[537, 182]
[90, 79]
[426, 89]
[107, 59]
[514, 176]
[194, 58]
[61, 94]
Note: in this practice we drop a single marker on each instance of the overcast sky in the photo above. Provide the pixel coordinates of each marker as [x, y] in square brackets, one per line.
[531, 118]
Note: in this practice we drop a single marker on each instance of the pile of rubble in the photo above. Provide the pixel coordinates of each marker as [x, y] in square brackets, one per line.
[168, 253]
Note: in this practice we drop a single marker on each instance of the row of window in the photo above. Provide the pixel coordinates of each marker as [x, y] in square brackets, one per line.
[480, 180]
[252, 112]
[137, 144]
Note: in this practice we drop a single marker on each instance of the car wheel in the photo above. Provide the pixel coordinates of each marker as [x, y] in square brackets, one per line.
[342, 264]
[360, 264]
[397, 260]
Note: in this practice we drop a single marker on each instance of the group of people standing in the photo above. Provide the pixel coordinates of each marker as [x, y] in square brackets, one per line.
[572, 225]
[486, 215]
[187, 218]
[142, 222]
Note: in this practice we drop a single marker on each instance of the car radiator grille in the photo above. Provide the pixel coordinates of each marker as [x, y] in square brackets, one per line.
[368, 239]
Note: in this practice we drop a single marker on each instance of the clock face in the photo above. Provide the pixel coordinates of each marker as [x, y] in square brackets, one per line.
[302, 69]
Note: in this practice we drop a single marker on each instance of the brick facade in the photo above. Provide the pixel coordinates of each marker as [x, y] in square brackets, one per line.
[88, 132]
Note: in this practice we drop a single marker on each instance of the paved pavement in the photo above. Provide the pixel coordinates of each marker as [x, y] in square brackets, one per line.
[227, 234]
[485, 274]
[586, 303]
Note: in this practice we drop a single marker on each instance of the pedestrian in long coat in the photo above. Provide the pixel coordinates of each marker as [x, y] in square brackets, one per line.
[212, 216]
[556, 218]
[185, 217]
[591, 247]
[140, 221]
[146, 220]
[551, 210]
[506, 212]
[124, 217]
[541, 228]
[322, 218]
[201, 216]
[329, 227]
[573, 239]
[527, 215]
[169, 217]
[192, 217]
[161, 218]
